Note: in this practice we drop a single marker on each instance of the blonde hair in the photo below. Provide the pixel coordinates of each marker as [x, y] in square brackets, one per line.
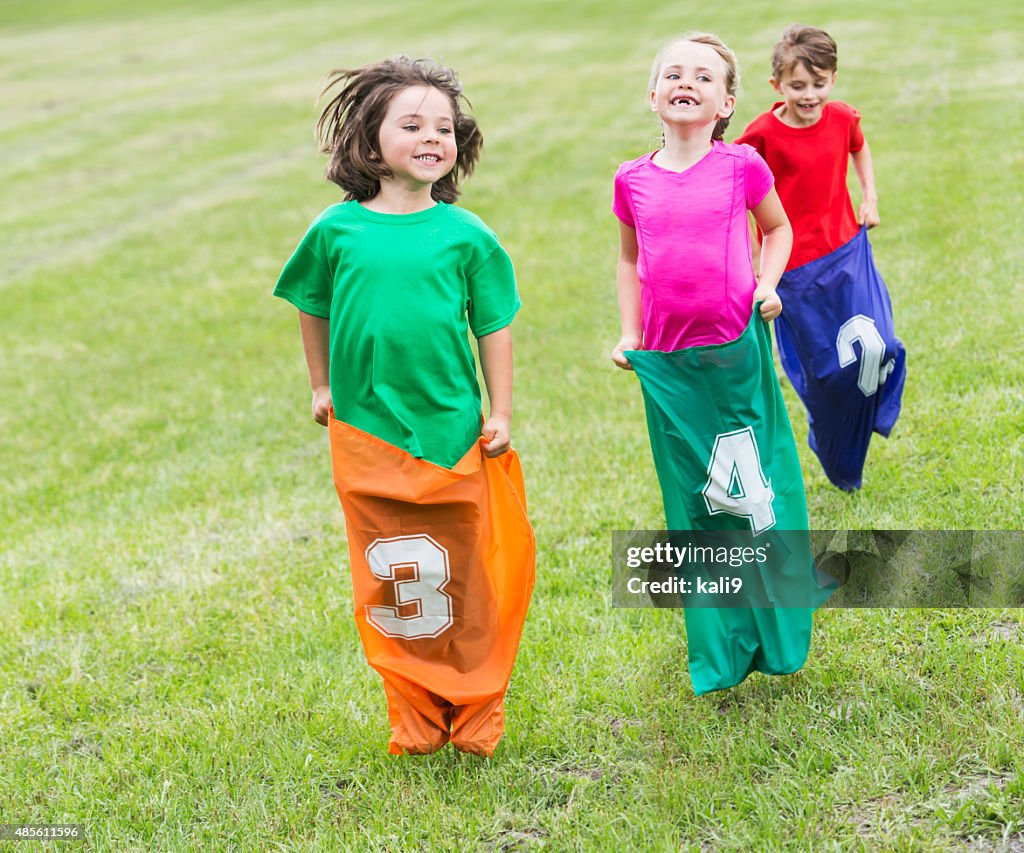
[732, 69]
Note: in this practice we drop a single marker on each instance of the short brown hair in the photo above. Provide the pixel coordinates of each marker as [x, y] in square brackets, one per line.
[732, 69]
[349, 126]
[812, 46]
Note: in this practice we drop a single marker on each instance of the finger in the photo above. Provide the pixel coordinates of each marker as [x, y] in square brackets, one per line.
[621, 360]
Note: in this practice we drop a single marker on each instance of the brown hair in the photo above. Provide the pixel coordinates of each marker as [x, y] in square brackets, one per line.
[732, 69]
[812, 46]
[349, 126]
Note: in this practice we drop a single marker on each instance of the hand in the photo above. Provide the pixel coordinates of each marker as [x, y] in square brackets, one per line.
[496, 435]
[771, 305]
[627, 342]
[322, 404]
[868, 214]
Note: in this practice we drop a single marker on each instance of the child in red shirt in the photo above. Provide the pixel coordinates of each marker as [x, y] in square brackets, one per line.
[806, 140]
[836, 338]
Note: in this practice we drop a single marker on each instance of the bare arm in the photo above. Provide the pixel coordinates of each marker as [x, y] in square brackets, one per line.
[628, 283]
[755, 246]
[868, 212]
[775, 247]
[315, 333]
[496, 363]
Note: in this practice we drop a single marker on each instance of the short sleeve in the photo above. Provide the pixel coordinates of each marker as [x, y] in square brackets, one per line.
[856, 134]
[305, 280]
[751, 137]
[622, 204]
[758, 178]
[493, 298]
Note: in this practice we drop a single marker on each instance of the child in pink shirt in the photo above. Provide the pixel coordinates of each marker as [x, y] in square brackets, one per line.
[684, 272]
[687, 295]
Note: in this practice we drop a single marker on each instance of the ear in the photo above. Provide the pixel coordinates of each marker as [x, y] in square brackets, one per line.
[728, 107]
[776, 85]
[654, 105]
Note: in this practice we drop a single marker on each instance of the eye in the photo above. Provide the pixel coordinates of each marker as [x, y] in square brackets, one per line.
[704, 78]
[672, 76]
[444, 130]
[411, 127]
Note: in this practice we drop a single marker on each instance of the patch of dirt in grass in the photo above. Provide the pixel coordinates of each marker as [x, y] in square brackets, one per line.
[997, 632]
[873, 816]
[34, 689]
[83, 746]
[517, 839]
[731, 705]
[973, 787]
[845, 710]
[1017, 702]
[870, 816]
[594, 773]
[332, 789]
[619, 724]
[1013, 844]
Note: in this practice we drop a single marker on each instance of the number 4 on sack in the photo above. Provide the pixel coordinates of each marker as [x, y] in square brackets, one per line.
[736, 482]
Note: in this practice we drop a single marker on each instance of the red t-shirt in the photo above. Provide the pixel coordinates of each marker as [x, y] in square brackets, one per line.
[809, 165]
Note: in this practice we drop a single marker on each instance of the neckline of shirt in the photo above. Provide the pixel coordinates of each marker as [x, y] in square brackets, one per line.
[396, 218]
[715, 143]
[820, 123]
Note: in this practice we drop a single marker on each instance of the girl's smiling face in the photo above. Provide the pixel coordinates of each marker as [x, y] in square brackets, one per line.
[805, 92]
[417, 137]
[691, 85]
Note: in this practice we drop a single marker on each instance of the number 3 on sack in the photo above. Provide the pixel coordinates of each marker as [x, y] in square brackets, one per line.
[423, 609]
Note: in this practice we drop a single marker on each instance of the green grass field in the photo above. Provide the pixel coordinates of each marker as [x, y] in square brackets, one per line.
[179, 666]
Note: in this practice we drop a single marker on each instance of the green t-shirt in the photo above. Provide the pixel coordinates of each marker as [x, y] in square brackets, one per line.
[401, 292]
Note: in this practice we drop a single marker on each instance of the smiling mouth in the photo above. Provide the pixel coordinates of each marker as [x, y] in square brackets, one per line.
[428, 158]
[683, 101]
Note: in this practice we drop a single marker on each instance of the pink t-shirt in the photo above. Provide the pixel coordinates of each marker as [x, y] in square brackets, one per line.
[696, 281]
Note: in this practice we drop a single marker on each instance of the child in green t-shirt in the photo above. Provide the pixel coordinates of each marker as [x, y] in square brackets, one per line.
[389, 282]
